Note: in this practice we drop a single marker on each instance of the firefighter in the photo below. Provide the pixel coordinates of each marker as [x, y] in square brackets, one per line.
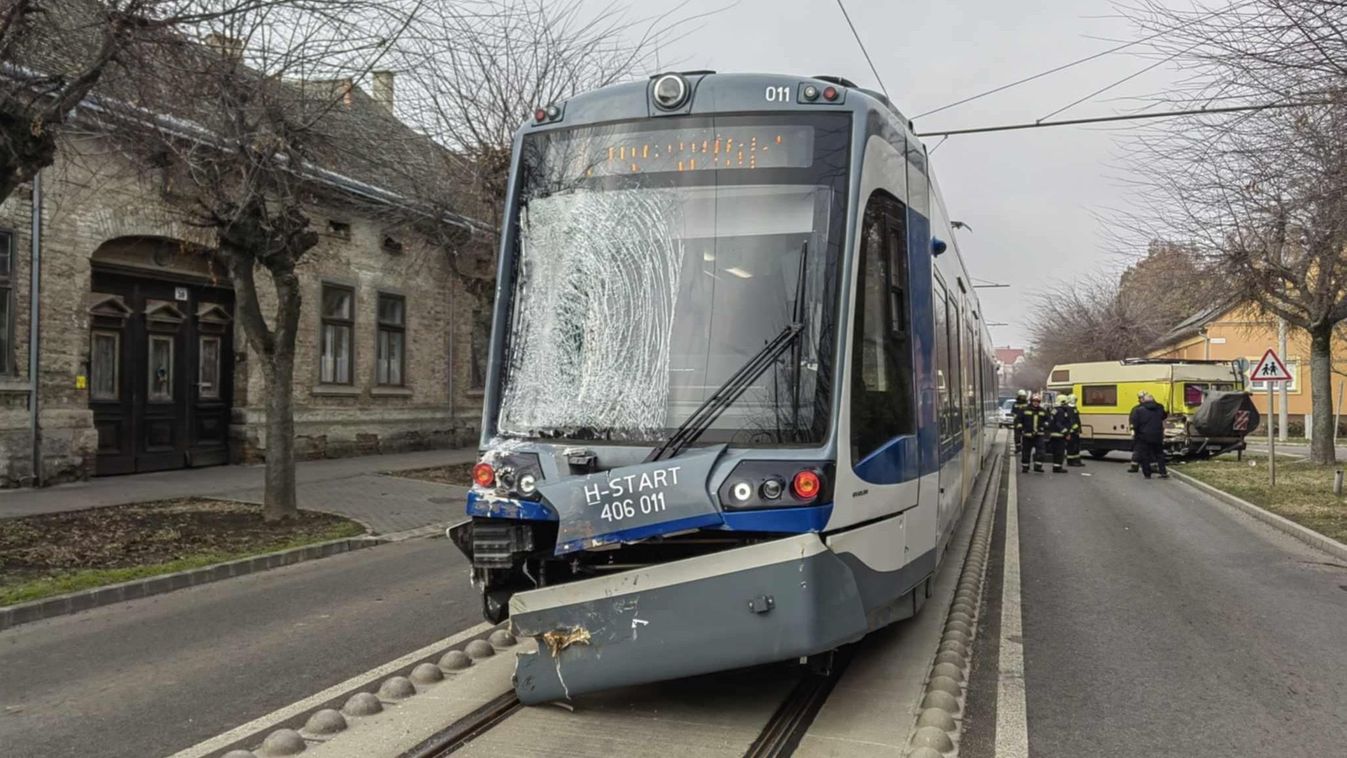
[1073, 434]
[1033, 425]
[1021, 402]
[1059, 426]
[1148, 427]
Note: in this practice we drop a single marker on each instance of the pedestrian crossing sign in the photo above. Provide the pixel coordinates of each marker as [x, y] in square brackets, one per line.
[1270, 369]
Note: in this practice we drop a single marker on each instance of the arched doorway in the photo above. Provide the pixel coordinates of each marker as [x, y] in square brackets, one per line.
[161, 360]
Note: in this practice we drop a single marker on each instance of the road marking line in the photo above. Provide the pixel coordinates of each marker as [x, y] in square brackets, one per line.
[1012, 729]
[356, 682]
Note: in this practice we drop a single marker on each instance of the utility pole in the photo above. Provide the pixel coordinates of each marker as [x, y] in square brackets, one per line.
[1282, 401]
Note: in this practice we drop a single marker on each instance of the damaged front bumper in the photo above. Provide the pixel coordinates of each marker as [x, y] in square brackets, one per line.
[767, 602]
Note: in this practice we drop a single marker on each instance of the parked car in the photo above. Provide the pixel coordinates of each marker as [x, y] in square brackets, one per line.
[1005, 415]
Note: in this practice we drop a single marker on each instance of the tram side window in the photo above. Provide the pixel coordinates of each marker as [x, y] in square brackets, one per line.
[942, 376]
[881, 375]
[952, 321]
[918, 186]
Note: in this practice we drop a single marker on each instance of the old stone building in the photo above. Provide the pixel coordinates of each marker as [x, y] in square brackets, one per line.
[140, 366]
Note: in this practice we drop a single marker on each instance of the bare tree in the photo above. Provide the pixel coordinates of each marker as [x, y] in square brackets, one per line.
[54, 53]
[247, 131]
[478, 69]
[1262, 195]
[1091, 320]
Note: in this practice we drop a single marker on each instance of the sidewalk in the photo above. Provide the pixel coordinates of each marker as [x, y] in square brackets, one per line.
[352, 487]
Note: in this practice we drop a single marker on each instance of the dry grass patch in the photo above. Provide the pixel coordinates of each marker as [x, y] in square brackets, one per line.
[1304, 492]
[55, 553]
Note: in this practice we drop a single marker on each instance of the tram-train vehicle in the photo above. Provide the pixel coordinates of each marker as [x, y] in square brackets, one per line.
[1106, 392]
[739, 384]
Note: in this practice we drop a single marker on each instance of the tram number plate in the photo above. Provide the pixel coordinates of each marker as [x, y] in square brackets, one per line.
[624, 497]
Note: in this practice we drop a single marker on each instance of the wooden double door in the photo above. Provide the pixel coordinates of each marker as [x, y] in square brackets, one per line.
[160, 372]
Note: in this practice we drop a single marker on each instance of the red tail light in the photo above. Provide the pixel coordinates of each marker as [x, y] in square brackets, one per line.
[483, 475]
[806, 485]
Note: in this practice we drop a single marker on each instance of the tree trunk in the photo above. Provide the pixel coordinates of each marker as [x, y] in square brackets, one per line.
[280, 500]
[1321, 394]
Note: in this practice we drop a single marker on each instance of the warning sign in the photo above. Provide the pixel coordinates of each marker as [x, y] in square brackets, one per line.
[1270, 369]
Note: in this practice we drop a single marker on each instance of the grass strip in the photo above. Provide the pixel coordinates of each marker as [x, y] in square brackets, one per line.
[62, 581]
[1304, 491]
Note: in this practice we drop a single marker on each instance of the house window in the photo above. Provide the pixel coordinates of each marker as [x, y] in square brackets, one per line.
[208, 369]
[390, 352]
[104, 365]
[161, 369]
[338, 322]
[6, 303]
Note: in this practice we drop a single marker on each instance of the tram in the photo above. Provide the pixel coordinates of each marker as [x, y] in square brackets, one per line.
[739, 385]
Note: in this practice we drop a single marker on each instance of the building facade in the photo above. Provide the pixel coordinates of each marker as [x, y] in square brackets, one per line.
[141, 366]
[1231, 331]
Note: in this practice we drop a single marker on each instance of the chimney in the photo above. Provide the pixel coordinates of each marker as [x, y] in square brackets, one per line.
[383, 89]
[230, 48]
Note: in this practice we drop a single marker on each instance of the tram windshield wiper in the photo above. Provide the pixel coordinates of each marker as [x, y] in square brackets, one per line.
[729, 391]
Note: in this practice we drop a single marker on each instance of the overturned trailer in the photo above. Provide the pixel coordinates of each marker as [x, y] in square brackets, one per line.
[739, 387]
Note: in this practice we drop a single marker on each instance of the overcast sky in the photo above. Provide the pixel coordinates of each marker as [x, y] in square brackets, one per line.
[1032, 197]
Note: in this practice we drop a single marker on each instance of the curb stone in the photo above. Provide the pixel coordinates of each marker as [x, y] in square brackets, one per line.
[74, 602]
[346, 707]
[939, 723]
[1281, 523]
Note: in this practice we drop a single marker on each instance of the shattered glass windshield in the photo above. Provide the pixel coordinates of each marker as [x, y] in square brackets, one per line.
[655, 258]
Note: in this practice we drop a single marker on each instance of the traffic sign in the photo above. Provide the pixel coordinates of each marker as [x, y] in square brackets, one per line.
[1270, 369]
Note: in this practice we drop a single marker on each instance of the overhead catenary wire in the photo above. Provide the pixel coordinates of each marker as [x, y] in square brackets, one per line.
[864, 52]
[1123, 117]
[1077, 62]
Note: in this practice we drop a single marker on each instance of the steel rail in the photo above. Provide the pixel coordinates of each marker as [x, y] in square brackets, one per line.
[480, 721]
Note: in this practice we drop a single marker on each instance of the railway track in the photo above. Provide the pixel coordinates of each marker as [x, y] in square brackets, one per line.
[779, 736]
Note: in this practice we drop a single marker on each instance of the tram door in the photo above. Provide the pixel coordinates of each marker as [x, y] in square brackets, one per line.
[160, 369]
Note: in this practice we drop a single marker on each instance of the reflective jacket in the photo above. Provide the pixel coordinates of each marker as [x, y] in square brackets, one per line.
[1017, 409]
[1061, 423]
[1034, 421]
[1072, 421]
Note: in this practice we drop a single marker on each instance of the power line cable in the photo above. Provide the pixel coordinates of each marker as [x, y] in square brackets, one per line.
[1128, 117]
[1076, 62]
[1117, 83]
[864, 52]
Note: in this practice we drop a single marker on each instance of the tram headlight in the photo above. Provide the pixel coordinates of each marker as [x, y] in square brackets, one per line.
[528, 484]
[670, 91]
[742, 491]
[772, 489]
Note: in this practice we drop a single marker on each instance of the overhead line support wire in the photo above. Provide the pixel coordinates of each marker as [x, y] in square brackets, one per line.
[1130, 117]
[864, 52]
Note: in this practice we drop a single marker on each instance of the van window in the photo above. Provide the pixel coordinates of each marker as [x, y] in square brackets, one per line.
[1193, 394]
[1099, 394]
[1060, 376]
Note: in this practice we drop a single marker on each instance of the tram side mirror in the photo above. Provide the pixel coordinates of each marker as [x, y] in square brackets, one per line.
[938, 247]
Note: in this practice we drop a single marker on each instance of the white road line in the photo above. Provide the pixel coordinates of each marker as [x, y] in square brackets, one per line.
[313, 701]
[1012, 726]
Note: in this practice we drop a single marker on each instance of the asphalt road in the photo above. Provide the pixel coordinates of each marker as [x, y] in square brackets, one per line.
[150, 677]
[1157, 621]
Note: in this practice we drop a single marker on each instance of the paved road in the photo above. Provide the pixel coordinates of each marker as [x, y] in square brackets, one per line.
[153, 676]
[1157, 621]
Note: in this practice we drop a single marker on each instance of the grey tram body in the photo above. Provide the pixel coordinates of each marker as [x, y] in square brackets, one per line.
[809, 580]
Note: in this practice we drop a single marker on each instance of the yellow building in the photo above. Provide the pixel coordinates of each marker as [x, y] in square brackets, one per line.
[1228, 332]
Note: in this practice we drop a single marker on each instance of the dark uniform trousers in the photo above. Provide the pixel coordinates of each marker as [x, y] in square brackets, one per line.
[1057, 449]
[1017, 411]
[1035, 424]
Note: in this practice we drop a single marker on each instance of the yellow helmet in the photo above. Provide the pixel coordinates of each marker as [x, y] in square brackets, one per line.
[1061, 401]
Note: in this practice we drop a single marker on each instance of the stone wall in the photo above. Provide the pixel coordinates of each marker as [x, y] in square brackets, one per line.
[92, 196]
